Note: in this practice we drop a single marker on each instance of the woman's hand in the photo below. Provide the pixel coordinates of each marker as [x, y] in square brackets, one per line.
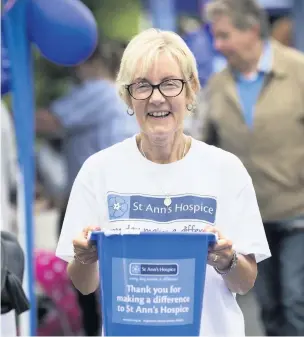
[239, 279]
[84, 251]
[220, 255]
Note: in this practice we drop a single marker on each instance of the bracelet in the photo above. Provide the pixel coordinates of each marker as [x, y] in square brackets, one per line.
[231, 266]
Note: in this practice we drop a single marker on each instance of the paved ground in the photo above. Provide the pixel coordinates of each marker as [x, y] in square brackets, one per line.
[45, 223]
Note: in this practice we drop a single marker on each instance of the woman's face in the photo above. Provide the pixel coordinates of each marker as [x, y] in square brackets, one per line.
[158, 115]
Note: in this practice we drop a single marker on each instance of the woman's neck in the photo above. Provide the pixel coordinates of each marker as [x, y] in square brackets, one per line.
[164, 151]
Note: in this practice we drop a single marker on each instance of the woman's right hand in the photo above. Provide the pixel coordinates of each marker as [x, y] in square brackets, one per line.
[84, 251]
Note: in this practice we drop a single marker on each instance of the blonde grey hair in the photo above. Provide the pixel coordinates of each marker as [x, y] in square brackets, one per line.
[244, 14]
[144, 49]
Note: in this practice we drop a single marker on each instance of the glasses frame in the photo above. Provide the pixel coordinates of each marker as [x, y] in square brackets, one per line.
[156, 86]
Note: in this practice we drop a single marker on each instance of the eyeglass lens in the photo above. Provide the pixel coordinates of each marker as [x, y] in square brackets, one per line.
[169, 88]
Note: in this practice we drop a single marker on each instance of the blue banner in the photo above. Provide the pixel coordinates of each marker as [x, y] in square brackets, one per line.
[151, 208]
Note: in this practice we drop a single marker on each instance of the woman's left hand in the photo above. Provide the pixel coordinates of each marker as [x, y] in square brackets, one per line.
[220, 254]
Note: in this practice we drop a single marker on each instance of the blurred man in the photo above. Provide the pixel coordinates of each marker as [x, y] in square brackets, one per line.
[91, 117]
[256, 111]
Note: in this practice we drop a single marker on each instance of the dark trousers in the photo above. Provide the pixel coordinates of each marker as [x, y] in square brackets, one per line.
[280, 283]
[87, 303]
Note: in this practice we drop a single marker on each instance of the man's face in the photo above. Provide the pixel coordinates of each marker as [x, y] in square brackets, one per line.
[234, 44]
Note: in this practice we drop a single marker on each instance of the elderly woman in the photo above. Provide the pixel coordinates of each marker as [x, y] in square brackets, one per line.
[161, 166]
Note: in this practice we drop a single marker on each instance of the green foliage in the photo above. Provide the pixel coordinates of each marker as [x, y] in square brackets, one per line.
[50, 80]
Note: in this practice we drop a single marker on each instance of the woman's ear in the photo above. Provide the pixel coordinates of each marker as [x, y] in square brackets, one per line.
[195, 85]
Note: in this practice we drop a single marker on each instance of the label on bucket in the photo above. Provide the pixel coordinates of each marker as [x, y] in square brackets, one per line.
[153, 292]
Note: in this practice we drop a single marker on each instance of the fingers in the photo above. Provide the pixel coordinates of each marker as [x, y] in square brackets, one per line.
[211, 229]
[81, 242]
[82, 239]
[222, 242]
[92, 228]
[81, 249]
[221, 259]
[221, 245]
[86, 255]
[219, 254]
[213, 259]
[84, 251]
[88, 229]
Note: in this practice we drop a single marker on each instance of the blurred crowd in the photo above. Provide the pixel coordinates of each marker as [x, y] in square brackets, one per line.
[248, 105]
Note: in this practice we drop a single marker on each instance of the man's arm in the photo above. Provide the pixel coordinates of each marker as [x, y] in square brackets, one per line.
[47, 123]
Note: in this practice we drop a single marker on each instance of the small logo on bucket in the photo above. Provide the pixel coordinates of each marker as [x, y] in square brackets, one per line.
[153, 269]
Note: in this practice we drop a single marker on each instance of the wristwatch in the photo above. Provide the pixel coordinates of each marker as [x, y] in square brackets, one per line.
[231, 266]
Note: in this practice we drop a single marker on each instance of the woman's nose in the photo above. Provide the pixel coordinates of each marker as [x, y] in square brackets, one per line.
[157, 96]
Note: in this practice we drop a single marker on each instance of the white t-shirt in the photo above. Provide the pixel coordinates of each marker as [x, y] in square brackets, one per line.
[206, 176]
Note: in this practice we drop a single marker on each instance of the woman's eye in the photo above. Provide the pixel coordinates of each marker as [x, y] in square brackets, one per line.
[143, 85]
[169, 84]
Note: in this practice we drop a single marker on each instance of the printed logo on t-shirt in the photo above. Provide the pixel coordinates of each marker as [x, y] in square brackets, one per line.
[153, 208]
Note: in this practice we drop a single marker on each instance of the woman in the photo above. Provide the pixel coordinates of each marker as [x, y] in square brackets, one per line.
[161, 165]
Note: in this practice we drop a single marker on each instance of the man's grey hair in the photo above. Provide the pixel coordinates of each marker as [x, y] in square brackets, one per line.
[244, 14]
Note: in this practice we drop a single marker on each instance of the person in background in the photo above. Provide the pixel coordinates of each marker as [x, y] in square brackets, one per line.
[256, 111]
[91, 117]
[282, 31]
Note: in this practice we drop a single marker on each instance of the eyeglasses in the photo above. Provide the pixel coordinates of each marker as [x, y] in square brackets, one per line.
[144, 90]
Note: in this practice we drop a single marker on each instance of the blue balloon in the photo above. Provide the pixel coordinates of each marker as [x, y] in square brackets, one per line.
[64, 31]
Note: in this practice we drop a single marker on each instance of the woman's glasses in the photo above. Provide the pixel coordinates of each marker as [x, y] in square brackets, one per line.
[144, 90]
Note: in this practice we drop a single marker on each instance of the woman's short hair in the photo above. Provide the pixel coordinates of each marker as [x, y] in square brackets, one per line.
[144, 49]
[244, 14]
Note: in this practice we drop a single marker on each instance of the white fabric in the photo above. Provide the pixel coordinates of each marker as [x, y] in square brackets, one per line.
[8, 168]
[8, 176]
[8, 324]
[205, 171]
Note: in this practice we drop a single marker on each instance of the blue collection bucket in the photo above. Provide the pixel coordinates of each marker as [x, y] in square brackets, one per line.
[152, 284]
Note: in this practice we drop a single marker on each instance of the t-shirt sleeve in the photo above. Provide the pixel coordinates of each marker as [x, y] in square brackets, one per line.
[248, 235]
[82, 211]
